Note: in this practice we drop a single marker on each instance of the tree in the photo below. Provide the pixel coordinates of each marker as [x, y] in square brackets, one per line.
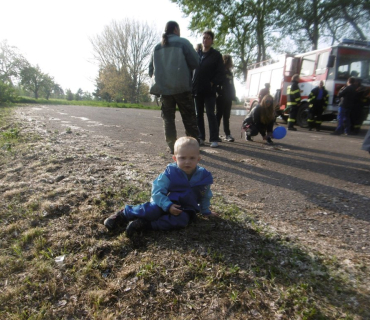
[58, 92]
[69, 95]
[241, 27]
[125, 47]
[32, 79]
[309, 21]
[79, 94]
[11, 63]
[47, 85]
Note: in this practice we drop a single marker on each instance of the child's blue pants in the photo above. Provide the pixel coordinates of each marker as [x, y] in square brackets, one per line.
[160, 220]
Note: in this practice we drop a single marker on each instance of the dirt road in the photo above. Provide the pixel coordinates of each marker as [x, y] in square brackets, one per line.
[310, 186]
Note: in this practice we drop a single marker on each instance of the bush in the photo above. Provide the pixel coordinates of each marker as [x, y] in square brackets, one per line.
[7, 93]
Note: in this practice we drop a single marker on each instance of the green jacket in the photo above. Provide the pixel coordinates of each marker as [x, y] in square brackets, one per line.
[171, 66]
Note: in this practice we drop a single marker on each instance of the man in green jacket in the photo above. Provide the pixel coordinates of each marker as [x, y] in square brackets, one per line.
[172, 63]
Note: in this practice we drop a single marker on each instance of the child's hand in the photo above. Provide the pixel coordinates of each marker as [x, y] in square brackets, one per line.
[175, 209]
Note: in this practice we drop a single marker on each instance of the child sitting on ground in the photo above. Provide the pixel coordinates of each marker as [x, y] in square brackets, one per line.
[178, 194]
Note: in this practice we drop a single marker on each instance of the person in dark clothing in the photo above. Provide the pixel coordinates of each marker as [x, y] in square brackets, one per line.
[265, 91]
[318, 98]
[207, 76]
[260, 119]
[294, 101]
[226, 93]
[361, 100]
[347, 95]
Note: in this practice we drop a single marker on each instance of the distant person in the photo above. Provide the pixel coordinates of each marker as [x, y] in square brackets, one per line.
[178, 194]
[261, 120]
[225, 97]
[294, 101]
[172, 63]
[264, 91]
[207, 76]
[318, 98]
[347, 95]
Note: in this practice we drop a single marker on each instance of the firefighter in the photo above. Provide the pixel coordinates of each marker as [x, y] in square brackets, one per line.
[319, 98]
[294, 101]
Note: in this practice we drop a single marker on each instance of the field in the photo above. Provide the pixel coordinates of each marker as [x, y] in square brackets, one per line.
[57, 260]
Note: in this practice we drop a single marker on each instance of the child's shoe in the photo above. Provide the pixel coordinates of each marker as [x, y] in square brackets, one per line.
[136, 226]
[269, 141]
[115, 220]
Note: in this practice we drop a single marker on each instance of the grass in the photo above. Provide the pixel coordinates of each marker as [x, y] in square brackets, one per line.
[231, 267]
[91, 103]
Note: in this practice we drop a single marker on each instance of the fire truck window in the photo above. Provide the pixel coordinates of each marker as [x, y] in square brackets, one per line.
[322, 63]
[265, 78]
[276, 78]
[255, 80]
[308, 65]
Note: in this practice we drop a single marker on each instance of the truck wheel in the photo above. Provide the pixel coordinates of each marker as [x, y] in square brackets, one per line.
[302, 115]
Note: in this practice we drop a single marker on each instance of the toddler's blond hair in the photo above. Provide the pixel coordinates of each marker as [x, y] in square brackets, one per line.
[185, 142]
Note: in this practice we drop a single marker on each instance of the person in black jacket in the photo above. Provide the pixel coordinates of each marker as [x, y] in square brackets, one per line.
[208, 75]
[319, 98]
[225, 97]
[348, 96]
[260, 119]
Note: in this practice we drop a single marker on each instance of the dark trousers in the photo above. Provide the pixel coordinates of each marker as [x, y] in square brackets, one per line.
[293, 116]
[315, 114]
[223, 111]
[185, 103]
[209, 102]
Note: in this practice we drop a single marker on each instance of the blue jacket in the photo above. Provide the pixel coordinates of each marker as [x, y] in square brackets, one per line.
[173, 187]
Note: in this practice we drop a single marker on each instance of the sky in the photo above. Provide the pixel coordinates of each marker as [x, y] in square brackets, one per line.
[55, 34]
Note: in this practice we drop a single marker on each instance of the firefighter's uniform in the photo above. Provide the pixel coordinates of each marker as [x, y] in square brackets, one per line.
[294, 101]
[318, 98]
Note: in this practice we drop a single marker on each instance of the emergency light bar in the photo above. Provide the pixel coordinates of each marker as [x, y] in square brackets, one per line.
[356, 42]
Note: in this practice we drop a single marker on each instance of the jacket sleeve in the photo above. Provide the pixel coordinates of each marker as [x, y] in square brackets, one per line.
[191, 56]
[160, 192]
[205, 202]
[151, 66]
[219, 74]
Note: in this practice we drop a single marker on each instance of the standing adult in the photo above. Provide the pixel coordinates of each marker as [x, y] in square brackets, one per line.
[264, 91]
[207, 76]
[294, 101]
[347, 95]
[225, 97]
[319, 98]
[172, 63]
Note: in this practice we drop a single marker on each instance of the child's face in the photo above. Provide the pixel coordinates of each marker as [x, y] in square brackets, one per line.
[187, 158]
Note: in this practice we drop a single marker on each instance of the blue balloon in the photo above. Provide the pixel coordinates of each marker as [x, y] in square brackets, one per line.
[279, 133]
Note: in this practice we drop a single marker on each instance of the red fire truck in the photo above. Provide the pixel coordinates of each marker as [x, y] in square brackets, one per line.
[334, 65]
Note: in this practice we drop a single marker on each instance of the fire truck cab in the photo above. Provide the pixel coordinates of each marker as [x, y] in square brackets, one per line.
[332, 65]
